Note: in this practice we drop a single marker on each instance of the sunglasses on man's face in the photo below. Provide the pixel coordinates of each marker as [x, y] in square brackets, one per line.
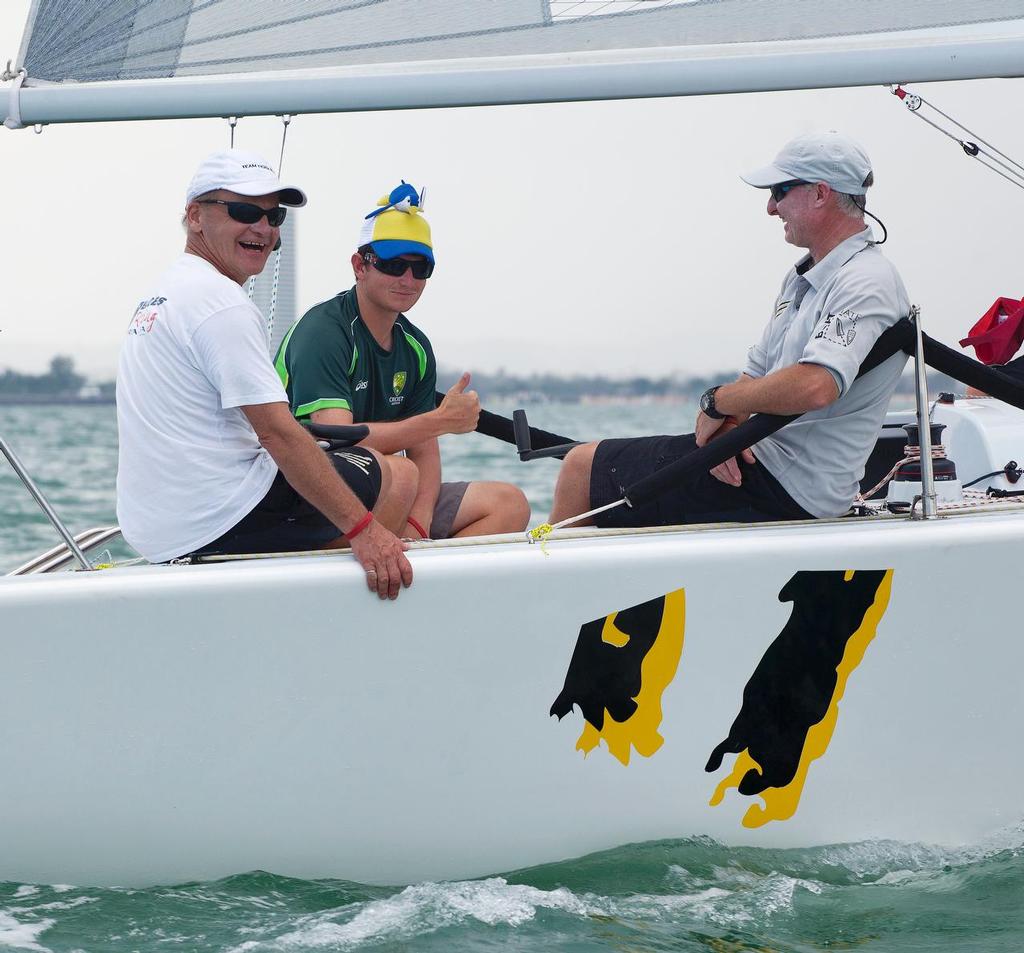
[249, 214]
[780, 191]
[396, 267]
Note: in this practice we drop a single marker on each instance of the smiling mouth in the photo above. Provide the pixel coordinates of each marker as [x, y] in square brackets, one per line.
[253, 246]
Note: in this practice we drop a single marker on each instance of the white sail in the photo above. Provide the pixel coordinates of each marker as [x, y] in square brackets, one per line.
[137, 59]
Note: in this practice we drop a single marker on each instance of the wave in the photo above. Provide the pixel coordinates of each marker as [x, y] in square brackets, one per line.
[694, 894]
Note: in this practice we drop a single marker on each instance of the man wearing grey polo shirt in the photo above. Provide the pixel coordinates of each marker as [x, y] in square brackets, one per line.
[833, 305]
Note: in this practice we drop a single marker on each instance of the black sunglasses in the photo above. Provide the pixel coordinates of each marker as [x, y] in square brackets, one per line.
[396, 267]
[780, 191]
[249, 214]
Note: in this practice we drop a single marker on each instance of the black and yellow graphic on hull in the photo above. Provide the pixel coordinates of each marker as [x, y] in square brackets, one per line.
[791, 702]
[620, 667]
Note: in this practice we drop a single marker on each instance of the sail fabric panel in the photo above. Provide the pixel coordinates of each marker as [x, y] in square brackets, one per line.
[90, 40]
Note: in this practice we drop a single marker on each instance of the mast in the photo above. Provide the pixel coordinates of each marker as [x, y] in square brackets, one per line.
[502, 80]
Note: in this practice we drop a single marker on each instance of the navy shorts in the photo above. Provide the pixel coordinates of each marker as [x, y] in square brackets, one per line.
[284, 522]
[698, 497]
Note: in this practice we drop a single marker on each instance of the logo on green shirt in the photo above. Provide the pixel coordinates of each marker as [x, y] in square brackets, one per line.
[398, 382]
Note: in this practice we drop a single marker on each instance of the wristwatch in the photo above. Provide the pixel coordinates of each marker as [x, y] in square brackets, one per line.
[707, 404]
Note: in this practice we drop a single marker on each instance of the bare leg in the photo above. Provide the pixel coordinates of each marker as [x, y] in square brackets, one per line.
[572, 490]
[402, 483]
[397, 491]
[491, 508]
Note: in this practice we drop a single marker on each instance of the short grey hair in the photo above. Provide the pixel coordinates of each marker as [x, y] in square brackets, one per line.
[852, 205]
[198, 198]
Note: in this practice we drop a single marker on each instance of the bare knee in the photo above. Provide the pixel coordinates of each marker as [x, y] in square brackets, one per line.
[513, 506]
[400, 478]
[579, 461]
[572, 489]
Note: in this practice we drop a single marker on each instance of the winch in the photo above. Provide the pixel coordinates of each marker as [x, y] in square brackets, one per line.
[905, 484]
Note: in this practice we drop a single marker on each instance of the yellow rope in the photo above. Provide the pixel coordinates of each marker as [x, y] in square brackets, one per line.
[540, 534]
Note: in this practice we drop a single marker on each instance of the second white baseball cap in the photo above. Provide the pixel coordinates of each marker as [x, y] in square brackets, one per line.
[826, 157]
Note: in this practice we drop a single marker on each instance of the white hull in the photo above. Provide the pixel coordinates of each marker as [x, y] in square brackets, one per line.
[169, 723]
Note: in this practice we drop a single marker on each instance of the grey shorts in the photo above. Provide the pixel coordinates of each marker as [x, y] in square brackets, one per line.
[448, 502]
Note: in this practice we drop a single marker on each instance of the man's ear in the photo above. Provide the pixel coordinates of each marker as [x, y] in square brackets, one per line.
[192, 223]
[358, 265]
[822, 193]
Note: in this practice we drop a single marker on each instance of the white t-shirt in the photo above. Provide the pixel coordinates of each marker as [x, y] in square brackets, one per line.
[190, 465]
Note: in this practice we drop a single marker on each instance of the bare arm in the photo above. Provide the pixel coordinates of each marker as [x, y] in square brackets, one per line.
[307, 469]
[791, 390]
[458, 413]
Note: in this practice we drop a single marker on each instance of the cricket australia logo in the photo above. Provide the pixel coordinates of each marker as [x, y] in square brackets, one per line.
[839, 328]
[398, 382]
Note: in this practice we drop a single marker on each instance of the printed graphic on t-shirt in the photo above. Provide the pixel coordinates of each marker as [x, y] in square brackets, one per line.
[142, 322]
[839, 328]
[145, 315]
[780, 308]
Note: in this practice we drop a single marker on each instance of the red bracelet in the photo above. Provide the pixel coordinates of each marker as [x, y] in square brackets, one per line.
[360, 526]
[416, 526]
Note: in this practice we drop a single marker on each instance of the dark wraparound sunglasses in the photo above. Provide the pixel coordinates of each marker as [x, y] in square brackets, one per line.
[780, 191]
[396, 267]
[249, 214]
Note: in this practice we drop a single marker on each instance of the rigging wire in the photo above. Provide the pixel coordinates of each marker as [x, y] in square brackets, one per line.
[986, 153]
[286, 122]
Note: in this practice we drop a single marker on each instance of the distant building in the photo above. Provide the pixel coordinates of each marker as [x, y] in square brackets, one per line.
[285, 303]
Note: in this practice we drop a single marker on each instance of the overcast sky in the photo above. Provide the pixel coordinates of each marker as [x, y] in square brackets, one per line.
[609, 238]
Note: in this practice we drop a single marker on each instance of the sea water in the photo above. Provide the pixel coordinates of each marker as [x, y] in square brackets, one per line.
[685, 895]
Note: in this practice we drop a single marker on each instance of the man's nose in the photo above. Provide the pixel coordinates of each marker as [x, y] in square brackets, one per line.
[263, 228]
[773, 208]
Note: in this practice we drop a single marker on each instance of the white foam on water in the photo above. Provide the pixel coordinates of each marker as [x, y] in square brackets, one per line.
[425, 908]
[55, 905]
[26, 890]
[732, 897]
[16, 935]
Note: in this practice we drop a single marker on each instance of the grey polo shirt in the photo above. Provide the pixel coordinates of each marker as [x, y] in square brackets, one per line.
[831, 314]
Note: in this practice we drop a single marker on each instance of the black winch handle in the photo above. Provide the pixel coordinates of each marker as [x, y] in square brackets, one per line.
[501, 428]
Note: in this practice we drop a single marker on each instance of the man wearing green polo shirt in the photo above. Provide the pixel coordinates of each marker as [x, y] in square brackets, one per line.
[358, 359]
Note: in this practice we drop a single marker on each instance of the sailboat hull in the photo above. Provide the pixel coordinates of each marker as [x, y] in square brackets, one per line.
[180, 722]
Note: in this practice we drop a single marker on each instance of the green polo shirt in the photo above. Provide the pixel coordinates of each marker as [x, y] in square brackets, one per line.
[329, 358]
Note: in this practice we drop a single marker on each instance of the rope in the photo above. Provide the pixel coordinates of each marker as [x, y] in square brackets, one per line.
[1010, 169]
[912, 455]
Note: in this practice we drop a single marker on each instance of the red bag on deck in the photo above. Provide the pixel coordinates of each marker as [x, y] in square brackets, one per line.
[999, 333]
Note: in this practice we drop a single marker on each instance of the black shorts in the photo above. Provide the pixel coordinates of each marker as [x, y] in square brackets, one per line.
[283, 522]
[698, 497]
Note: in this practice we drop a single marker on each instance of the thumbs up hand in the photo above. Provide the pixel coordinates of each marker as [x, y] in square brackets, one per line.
[460, 409]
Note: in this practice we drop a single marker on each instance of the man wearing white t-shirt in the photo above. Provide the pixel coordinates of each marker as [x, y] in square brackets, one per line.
[211, 459]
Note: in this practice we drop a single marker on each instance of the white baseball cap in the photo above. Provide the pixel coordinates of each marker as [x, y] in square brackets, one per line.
[826, 157]
[246, 173]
